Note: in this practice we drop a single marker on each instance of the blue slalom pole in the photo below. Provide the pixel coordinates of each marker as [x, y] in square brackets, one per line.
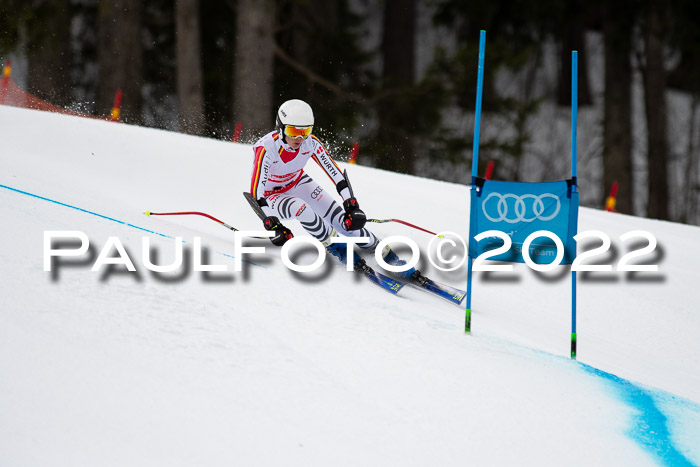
[574, 116]
[477, 115]
[574, 109]
[475, 172]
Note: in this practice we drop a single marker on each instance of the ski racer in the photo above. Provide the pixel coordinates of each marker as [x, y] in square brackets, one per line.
[284, 191]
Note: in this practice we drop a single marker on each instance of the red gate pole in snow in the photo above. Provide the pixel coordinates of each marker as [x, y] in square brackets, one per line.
[353, 154]
[5, 80]
[237, 132]
[116, 109]
[612, 199]
[489, 170]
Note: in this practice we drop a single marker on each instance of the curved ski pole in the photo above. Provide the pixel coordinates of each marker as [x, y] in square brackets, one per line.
[381, 221]
[197, 213]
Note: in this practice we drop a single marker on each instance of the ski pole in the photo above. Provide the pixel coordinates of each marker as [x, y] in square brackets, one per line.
[196, 213]
[381, 221]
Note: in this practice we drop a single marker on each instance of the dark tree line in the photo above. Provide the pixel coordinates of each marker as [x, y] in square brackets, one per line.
[201, 66]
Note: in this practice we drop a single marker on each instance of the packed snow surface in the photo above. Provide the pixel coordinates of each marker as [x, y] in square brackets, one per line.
[266, 366]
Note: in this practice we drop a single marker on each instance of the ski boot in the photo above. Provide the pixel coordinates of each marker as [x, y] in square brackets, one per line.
[412, 274]
[340, 251]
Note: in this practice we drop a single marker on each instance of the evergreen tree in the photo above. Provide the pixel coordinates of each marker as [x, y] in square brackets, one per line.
[320, 61]
[516, 31]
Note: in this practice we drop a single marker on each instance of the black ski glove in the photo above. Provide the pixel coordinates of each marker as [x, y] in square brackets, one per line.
[282, 233]
[354, 218]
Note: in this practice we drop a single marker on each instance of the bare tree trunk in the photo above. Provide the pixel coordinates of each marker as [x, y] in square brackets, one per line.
[691, 187]
[573, 38]
[190, 91]
[398, 50]
[253, 67]
[617, 112]
[48, 55]
[119, 57]
[656, 115]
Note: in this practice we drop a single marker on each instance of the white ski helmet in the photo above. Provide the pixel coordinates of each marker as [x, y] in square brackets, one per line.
[294, 112]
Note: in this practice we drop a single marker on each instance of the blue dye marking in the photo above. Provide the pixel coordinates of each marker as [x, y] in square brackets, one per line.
[83, 210]
[104, 217]
[650, 426]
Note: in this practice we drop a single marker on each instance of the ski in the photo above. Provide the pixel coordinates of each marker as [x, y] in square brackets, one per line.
[387, 283]
[451, 294]
[447, 292]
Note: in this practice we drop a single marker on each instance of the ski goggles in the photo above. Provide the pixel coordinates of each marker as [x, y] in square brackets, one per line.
[297, 131]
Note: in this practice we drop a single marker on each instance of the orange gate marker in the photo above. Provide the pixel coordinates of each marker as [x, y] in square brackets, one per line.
[353, 154]
[612, 199]
[5, 79]
[237, 132]
[116, 109]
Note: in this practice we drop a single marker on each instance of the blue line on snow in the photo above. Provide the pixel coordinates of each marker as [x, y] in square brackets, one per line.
[650, 425]
[104, 217]
[650, 428]
[83, 210]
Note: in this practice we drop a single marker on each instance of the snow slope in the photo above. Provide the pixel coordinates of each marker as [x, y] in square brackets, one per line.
[270, 367]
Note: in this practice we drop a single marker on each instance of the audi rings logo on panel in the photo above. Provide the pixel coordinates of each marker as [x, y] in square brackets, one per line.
[524, 208]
